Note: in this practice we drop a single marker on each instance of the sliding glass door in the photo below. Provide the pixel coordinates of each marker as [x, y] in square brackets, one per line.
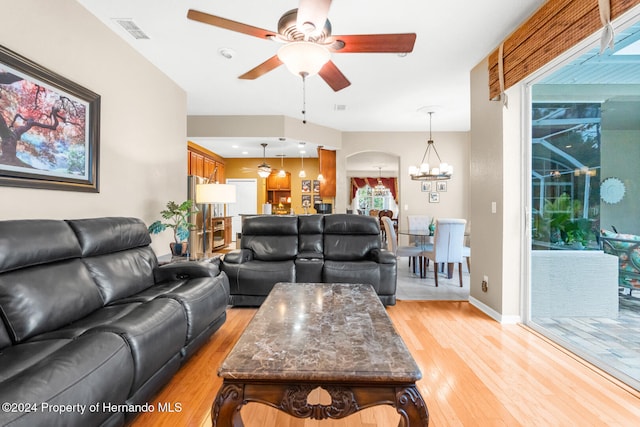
[585, 206]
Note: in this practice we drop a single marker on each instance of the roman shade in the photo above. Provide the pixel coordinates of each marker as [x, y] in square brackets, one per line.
[556, 27]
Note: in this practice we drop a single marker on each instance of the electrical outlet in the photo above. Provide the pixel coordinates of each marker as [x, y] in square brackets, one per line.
[485, 283]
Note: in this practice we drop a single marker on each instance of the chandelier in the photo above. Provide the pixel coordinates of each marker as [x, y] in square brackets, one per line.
[264, 170]
[380, 190]
[424, 172]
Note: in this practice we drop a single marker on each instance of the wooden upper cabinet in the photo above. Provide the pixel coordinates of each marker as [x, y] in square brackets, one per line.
[202, 162]
[275, 182]
[327, 164]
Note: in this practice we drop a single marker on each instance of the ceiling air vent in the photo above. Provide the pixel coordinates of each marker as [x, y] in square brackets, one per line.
[132, 28]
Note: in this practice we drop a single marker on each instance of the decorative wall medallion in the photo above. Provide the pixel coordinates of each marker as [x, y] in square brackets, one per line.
[612, 190]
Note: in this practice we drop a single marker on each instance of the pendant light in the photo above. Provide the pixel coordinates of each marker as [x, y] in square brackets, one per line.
[282, 173]
[424, 172]
[264, 170]
[302, 173]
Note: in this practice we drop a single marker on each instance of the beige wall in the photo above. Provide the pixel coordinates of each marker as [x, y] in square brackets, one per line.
[262, 126]
[453, 148]
[495, 177]
[142, 128]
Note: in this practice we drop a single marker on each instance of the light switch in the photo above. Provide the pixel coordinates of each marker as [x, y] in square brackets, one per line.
[494, 207]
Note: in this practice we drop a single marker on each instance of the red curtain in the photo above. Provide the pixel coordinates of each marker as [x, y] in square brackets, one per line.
[390, 183]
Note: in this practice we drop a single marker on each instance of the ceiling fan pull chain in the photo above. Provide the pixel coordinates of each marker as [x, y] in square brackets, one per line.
[304, 98]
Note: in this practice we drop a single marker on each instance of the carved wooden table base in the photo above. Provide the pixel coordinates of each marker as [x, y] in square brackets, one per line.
[293, 399]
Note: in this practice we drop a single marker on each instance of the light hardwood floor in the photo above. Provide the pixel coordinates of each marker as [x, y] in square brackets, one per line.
[476, 372]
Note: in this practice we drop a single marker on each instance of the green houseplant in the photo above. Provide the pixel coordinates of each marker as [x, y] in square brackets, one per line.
[175, 216]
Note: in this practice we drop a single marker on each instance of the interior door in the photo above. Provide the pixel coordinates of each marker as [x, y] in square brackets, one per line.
[246, 202]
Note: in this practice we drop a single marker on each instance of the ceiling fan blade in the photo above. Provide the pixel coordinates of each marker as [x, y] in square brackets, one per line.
[228, 24]
[333, 76]
[375, 43]
[265, 67]
[312, 15]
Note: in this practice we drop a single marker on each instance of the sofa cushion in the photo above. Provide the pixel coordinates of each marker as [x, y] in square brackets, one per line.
[271, 238]
[352, 272]
[203, 300]
[258, 277]
[92, 369]
[122, 274]
[5, 339]
[350, 237]
[155, 332]
[310, 241]
[98, 236]
[101, 317]
[24, 243]
[45, 297]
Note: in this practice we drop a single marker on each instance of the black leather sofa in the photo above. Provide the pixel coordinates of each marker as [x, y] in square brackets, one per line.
[91, 327]
[334, 248]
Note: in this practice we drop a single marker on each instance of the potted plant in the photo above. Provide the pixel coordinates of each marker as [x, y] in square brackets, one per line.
[175, 216]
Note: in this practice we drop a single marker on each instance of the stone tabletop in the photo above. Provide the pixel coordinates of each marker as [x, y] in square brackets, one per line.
[321, 332]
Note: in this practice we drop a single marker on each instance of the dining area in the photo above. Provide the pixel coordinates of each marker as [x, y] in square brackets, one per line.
[434, 247]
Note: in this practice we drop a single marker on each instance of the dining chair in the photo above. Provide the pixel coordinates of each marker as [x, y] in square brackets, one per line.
[384, 212]
[412, 252]
[448, 245]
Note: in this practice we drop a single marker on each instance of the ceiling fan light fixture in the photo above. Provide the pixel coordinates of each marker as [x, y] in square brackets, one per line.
[304, 58]
[264, 170]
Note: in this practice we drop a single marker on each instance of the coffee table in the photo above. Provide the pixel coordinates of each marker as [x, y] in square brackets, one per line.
[330, 335]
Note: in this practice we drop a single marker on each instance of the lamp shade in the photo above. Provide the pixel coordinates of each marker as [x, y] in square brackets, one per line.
[215, 193]
[304, 58]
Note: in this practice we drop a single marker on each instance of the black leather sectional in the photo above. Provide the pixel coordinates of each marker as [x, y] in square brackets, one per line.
[334, 248]
[91, 327]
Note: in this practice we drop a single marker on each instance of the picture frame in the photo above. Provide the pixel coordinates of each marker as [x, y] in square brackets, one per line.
[306, 186]
[425, 186]
[50, 127]
[316, 186]
[317, 199]
[434, 197]
[441, 186]
[307, 198]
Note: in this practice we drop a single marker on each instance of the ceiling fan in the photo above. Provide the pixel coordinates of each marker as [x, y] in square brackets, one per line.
[263, 169]
[307, 28]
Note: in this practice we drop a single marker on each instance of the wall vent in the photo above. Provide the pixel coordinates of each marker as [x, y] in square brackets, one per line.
[132, 28]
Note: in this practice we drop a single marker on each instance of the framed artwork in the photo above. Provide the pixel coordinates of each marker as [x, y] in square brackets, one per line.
[425, 186]
[306, 198]
[306, 186]
[441, 186]
[434, 197]
[316, 186]
[317, 199]
[49, 128]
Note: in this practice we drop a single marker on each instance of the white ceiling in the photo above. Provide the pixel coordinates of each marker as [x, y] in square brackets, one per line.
[386, 90]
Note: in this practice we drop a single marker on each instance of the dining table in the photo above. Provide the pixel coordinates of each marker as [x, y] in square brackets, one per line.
[424, 237]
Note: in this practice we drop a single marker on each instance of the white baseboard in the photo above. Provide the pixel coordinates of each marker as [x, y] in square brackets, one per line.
[494, 314]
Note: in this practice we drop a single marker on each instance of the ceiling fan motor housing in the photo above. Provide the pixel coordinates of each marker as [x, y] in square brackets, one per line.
[288, 29]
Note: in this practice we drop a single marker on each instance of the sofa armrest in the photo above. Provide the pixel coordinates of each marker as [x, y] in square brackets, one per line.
[383, 257]
[238, 256]
[186, 270]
